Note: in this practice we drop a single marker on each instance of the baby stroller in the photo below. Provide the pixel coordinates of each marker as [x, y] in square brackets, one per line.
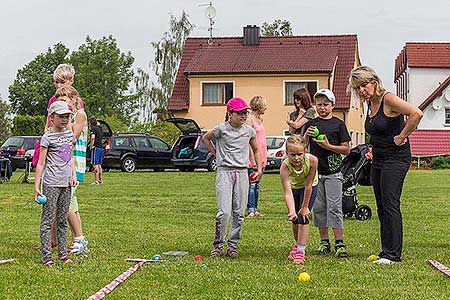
[5, 170]
[356, 170]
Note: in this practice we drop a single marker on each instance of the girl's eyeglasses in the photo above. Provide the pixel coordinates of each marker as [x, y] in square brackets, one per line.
[241, 113]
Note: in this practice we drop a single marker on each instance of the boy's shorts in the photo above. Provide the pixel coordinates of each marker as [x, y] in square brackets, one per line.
[97, 156]
[327, 210]
[298, 200]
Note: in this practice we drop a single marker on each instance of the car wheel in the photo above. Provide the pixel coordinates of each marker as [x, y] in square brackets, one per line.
[212, 166]
[128, 165]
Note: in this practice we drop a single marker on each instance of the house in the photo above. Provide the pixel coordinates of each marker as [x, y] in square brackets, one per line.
[422, 77]
[213, 71]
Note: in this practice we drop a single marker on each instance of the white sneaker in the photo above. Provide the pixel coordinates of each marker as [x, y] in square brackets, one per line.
[383, 261]
[80, 246]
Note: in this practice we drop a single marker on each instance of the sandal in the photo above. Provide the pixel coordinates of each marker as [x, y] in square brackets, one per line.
[67, 260]
[48, 262]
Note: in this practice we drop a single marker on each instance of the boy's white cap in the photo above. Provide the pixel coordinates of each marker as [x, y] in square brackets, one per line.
[60, 108]
[327, 93]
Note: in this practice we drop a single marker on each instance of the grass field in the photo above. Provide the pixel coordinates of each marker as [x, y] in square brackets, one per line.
[145, 213]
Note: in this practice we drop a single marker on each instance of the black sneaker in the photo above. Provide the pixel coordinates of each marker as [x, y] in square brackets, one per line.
[341, 250]
[323, 249]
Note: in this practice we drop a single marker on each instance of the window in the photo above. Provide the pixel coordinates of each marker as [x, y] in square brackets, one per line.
[351, 138]
[122, 142]
[158, 144]
[447, 116]
[217, 93]
[142, 142]
[357, 139]
[291, 86]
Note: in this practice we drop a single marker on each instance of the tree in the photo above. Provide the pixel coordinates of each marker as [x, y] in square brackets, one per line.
[277, 28]
[5, 121]
[103, 77]
[33, 85]
[165, 65]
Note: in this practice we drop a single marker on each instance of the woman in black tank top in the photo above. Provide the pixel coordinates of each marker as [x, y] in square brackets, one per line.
[389, 131]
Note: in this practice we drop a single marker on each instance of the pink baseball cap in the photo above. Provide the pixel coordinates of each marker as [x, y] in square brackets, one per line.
[236, 104]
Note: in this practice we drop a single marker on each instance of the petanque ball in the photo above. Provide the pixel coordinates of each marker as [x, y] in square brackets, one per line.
[41, 199]
[315, 132]
[304, 277]
[321, 137]
[156, 257]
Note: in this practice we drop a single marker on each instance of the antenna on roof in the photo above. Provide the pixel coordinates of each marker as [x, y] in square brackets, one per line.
[210, 13]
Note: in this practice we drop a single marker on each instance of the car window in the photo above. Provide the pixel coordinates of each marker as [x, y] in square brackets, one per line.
[122, 142]
[142, 142]
[15, 141]
[158, 144]
[29, 143]
[275, 143]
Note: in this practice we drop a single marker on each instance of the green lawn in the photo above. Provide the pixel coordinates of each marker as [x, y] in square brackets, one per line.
[147, 213]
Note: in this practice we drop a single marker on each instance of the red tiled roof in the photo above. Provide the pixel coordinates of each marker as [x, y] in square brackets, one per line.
[287, 59]
[295, 54]
[430, 142]
[437, 92]
[422, 55]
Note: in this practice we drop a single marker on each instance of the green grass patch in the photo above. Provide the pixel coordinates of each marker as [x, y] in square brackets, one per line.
[147, 213]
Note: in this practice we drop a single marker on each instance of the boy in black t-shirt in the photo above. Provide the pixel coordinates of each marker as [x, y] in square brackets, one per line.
[96, 150]
[328, 147]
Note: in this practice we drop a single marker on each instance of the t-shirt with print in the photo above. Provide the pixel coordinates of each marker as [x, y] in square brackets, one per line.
[58, 167]
[232, 145]
[336, 132]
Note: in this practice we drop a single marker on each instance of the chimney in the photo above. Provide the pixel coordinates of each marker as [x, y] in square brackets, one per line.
[251, 35]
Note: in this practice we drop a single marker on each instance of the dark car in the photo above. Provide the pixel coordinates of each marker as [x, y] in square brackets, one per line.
[189, 151]
[131, 151]
[19, 150]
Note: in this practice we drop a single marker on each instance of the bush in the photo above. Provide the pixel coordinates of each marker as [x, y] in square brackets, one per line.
[165, 130]
[440, 162]
[117, 125]
[28, 125]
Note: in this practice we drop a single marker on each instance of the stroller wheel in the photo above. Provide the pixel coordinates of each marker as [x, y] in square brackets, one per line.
[363, 213]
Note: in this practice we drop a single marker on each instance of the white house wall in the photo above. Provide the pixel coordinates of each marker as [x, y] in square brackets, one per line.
[435, 118]
[423, 81]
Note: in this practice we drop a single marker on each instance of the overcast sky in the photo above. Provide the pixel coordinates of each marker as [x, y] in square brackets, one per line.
[29, 27]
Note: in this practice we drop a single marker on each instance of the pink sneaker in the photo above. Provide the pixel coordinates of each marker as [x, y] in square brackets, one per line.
[299, 256]
[293, 251]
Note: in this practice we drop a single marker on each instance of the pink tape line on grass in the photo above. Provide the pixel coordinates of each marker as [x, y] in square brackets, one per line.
[443, 268]
[121, 278]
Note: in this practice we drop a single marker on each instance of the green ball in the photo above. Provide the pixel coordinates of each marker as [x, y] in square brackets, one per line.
[321, 137]
[315, 132]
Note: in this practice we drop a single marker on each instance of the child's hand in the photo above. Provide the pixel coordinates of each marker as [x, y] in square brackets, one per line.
[37, 193]
[310, 131]
[304, 213]
[292, 216]
[256, 177]
[74, 181]
[322, 143]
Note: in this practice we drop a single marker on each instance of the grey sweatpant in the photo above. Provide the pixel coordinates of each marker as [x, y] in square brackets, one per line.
[56, 208]
[327, 210]
[232, 196]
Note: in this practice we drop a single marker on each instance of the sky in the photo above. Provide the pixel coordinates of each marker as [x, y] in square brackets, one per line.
[30, 27]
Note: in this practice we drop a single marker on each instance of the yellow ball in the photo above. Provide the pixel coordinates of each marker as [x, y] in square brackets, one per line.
[304, 277]
[372, 257]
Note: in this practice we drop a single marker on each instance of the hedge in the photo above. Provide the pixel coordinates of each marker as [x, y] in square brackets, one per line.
[28, 125]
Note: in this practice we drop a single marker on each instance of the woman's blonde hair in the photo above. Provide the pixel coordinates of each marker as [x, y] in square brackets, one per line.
[363, 75]
[64, 72]
[257, 103]
[69, 91]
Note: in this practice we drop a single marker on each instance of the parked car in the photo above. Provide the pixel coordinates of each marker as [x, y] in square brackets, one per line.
[276, 151]
[189, 151]
[131, 151]
[19, 150]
